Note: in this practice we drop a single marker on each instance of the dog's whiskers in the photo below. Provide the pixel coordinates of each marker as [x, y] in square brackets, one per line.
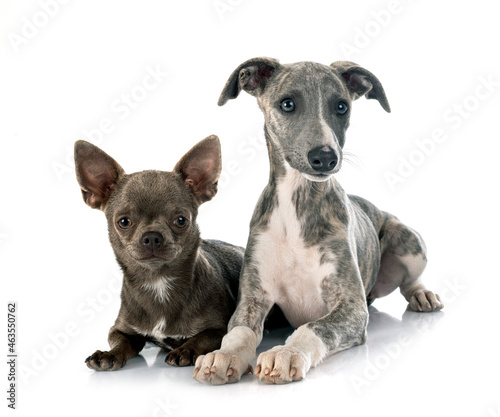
[353, 160]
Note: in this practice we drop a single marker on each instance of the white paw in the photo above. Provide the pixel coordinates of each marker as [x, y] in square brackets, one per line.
[220, 367]
[281, 365]
[425, 301]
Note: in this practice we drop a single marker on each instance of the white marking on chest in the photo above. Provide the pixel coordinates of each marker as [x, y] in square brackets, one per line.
[161, 289]
[291, 272]
[158, 331]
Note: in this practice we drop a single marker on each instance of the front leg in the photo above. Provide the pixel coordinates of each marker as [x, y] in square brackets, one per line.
[343, 327]
[232, 360]
[123, 347]
[201, 343]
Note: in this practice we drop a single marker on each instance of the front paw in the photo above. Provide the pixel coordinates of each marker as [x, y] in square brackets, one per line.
[105, 361]
[425, 301]
[281, 365]
[220, 367]
[182, 357]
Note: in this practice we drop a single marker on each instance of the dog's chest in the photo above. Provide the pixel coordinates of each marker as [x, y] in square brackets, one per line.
[155, 322]
[289, 269]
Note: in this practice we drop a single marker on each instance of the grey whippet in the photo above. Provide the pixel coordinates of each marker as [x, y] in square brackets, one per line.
[319, 254]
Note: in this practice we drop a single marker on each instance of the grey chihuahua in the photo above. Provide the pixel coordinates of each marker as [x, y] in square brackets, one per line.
[319, 254]
[179, 291]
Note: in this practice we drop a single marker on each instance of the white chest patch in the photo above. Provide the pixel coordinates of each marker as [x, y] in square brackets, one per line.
[158, 331]
[291, 272]
[161, 288]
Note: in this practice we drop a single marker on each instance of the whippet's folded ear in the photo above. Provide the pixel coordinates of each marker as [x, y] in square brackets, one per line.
[250, 76]
[200, 168]
[97, 173]
[361, 82]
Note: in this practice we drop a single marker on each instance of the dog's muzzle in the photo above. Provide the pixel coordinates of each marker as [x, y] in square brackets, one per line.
[152, 243]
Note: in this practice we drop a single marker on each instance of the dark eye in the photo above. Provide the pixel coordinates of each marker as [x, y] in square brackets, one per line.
[341, 108]
[181, 222]
[287, 105]
[124, 223]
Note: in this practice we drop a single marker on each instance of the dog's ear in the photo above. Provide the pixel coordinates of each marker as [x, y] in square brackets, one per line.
[97, 173]
[200, 168]
[250, 76]
[361, 82]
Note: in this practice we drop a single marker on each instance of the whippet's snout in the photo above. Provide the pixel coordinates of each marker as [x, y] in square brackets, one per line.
[152, 240]
[323, 158]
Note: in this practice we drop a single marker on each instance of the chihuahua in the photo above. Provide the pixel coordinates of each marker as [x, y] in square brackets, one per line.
[178, 291]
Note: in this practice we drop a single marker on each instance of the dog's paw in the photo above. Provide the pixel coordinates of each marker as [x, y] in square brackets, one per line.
[425, 301]
[105, 361]
[181, 357]
[220, 367]
[281, 365]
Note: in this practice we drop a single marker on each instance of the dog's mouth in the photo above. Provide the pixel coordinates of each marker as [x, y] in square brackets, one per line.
[156, 257]
[151, 258]
[320, 177]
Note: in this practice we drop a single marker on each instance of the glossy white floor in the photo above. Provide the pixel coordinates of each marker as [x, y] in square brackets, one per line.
[413, 364]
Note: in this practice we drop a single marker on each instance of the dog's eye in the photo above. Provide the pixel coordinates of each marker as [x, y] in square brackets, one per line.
[341, 108]
[287, 105]
[181, 222]
[124, 223]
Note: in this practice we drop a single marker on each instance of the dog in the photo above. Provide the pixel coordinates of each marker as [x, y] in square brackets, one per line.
[179, 291]
[321, 255]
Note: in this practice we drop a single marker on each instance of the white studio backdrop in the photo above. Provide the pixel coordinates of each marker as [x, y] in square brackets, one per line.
[141, 80]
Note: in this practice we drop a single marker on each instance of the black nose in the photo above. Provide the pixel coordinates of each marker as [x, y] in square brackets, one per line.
[152, 240]
[323, 158]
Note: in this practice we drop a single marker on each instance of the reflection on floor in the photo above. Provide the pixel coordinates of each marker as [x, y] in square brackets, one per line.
[388, 337]
[391, 364]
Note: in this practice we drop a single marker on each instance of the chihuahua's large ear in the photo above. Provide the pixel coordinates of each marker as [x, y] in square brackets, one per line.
[200, 168]
[97, 173]
[250, 76]
[361, 82]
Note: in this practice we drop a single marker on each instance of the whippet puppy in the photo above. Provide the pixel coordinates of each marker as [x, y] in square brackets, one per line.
[319, 254]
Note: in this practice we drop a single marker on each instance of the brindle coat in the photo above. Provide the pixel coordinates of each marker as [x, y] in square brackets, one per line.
[317, 252]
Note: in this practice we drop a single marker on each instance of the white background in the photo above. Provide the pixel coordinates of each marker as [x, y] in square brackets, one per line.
[65, 71]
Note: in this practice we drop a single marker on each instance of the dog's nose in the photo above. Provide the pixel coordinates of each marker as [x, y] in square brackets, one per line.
[152, 240]
[323, 158]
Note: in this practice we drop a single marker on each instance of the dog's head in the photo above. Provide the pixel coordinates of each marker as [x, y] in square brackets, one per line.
[151, 214]
[306, 107]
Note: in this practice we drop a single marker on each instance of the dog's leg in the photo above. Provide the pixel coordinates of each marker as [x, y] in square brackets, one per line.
[414, 291]
[206, 341]
[238, 347]
[402, 262]
[343, 327]
[123, 347]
